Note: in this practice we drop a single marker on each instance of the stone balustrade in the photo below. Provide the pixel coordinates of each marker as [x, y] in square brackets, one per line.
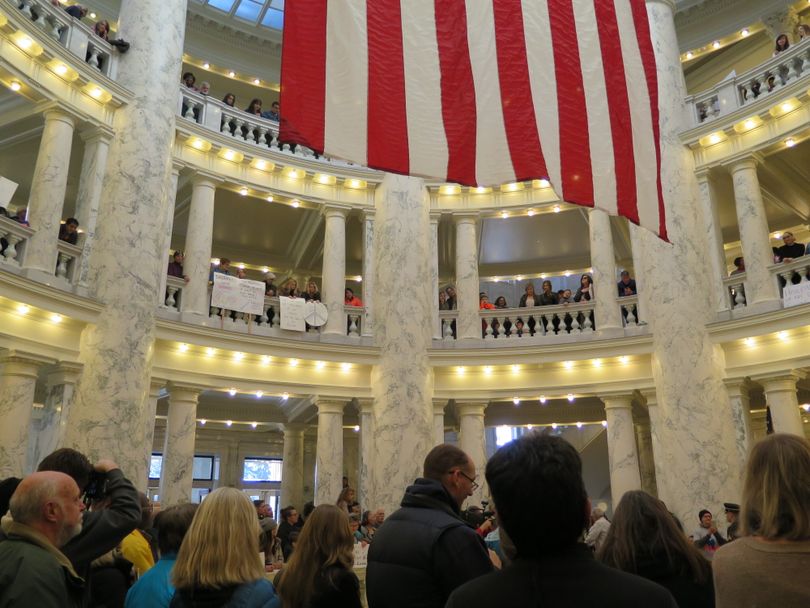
[792, 273]
[448, 319]
[538, 321]
[14, 234]
[765, 80]
[354, 314]
[77, 37]
[735, 290]
[174, 292]
[67, 262]
[630, 311]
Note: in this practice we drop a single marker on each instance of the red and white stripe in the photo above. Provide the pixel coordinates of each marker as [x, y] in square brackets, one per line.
[482, 93]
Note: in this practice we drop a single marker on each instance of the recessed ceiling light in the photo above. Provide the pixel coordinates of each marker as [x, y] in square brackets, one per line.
[15, 86]
[206, 66]
[231, 73]
[23, 309]
[232, 392]
[228, 422]
[516, 400]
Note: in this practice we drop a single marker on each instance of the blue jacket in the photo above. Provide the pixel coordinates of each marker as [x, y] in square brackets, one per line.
[154, 589]
[256, 594]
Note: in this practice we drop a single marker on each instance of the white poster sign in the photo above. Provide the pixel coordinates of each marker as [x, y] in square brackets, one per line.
[360, 555]
[293, 312]
[7, 188]
[241, 295]
[796, 295]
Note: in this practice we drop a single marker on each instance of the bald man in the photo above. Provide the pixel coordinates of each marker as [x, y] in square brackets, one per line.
[46, 512]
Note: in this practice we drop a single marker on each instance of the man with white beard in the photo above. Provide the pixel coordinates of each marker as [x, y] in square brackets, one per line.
[46, 512]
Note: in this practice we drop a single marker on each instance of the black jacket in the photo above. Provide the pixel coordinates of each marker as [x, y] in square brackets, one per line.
[687, 593]
[335, 587]
[423, 551]
[573, 579]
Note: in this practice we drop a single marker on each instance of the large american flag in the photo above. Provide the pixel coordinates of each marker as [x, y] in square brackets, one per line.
[481, 93]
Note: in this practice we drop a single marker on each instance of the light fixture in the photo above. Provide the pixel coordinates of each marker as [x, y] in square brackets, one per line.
[568, 364]
[624, 359]
[294, 173]
[570, 398]
[782, 335]
[744, 33]
[604, 423]
[285, 396]
[183, 348]
[449, 189]
[210, 351]
[266, 359]
[256, 81]
[557, 209]
[553, 425]
[504, 214]
[787, 106]
[228, 422]
[232, 392]
[243, 191]
[356, 428]
[355, 184]
[806, 407]
[61, 69]
[579, 425]
[238, 356]
[231, 73]
[325, 179]
[259, 394]
[777, 235]
[790, 142]
[254, 424]
[24, 42]
[567, 273]
[345, 366]
[487, 369]
[690, 55]
[203, 421]
[749, 341]
[480, 190]
[92, 15]
[529, 427]
[544, 183]
[597, 363]
[23, 309]
[543, 399]
[750, 123]
[320, 364]
[206, 65]
[56, 318]
[293, 362]
[96, 92]
[716, 44]
[714, 138]
[15, 86]
[240, 266]
[516, 400]
[295, 203]
[530, 212]
[512, 187]
[269, 198]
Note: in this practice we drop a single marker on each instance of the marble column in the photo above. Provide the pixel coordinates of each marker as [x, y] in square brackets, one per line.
[310, 449]
[622, 454]
[91, 189]
[436, 323]
[329, 454]
[760, 285]
[199, 237]
[607, 314]
[367, 327]
[18, 380]
[365, 490]
[635, 236]
[712, 233]
[438, 420]
[402, 379]
[646, 460]
[168, 227]
[292, 467]
[781, 20]
[351, 457]
[651, 405]
[49, 432]
[738, 390]
[782, 400]
[110, 411]
[699, 420]
[47, 196]
[472, 440]
[468, 325]
[334, 269]
[156, 387]
[177, 473]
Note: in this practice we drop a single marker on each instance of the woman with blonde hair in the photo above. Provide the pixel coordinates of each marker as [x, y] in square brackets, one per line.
[218, 563]
[346, 500]
[319, 573]
[769, 565]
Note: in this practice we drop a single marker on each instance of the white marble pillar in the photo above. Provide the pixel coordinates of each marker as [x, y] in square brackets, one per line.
[156, 387]
[91, 189]
[310, 457]
[329, 454]
[365, 490]
[607, 314]
[334, 269]
[438, 420]
[468, 325]
[622, 454]
[760, 285]
[782, 400]
[199, 237]
[436, 323]
[472, 440]
[646, 460]
[367, 328]
[110, 411]
[402, 380]
[738, 394]
[635, 244]
[651, 404]
[49, 432]
[47, 196]
[18, 380]
[168, 227]
[351, 457]
[292, 467]
[697, 421]
[712, 233]
[177, 473]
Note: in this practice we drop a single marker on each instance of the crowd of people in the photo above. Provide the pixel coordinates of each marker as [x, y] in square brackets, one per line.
[77, 534]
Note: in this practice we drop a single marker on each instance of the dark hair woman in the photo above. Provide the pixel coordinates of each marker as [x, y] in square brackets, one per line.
[645, 540]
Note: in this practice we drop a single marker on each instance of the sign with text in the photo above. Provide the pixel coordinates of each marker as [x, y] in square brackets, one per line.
[293, 313]
[360, 555]
[796, 295]
[241, 295]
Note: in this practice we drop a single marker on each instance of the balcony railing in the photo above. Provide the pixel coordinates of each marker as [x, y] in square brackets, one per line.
[790, 273]
[174, 292]
[78, 38]
[762, 81]
[13, 235]
[67, 261]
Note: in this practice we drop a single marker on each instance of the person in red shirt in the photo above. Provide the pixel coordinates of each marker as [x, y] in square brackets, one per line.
[349, 299]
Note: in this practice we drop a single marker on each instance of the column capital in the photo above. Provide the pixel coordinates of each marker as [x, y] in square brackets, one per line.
[204, 179]
[668, 3]
[471, 408]
[650, 397]
[332, 210]
[369, 215]
[616, 400]
[705, 175]
[329, 405]
[58, 113]
[156, 385]
[465, 217]
[780, 382]
[177, 167]
[16, 363]
[366, 405]
[184, 392]
[439, 405]
[737, 386]
[435, 217]
[65, 372]
[748, 161]
[293, 429]
[96, 133]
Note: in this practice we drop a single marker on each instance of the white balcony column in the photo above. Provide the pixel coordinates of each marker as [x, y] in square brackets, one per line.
[47, 196]
[199, 236]
[712, 233]
[168, 227]
[91, 189]
[760, 286]
[111, 407]
[329, 454]
[292, 466]
[684, 355]
[651, 405]
[177, 472]
[334, 269]
[635, 244]
[473, 441]
[783, 401]
[48, 433]
[156, 386]
[18, 380]
[468, 325]
[435, 321]
[607, 313]
[738, 395]
[438, 420]
[365, 489]
[402, 379]
[367, 326]
[622, 451]
[646, 460]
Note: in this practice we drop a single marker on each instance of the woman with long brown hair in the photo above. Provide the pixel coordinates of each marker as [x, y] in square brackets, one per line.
[645, 540]
[769, 565]
[319, 573]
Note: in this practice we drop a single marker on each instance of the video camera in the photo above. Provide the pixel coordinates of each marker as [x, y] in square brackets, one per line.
[96, 488]
[475, 515]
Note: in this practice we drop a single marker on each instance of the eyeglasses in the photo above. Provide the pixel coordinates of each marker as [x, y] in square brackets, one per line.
[474, 483]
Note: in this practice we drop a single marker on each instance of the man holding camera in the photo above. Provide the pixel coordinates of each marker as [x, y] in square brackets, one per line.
[425, 549]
